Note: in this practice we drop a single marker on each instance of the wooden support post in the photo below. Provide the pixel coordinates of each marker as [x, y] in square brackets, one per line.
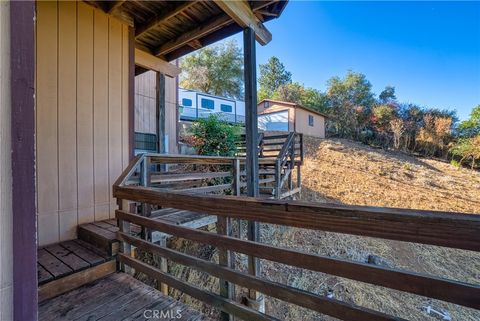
[226, 258]
[292, 164]
[145, 181]
[236, 183]
[161, 117]
[278, 179]
[163, 287]
[251, 127]
[124, 226]
[19, 51]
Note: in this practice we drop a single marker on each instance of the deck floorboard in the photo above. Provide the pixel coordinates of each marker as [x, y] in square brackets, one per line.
[115, 297]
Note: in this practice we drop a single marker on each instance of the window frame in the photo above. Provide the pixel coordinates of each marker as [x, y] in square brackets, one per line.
[311, 121]
[230, 107]
[209, 100]
[187, 105]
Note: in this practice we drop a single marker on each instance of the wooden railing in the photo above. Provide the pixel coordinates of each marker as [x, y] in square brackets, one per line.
[453, 230]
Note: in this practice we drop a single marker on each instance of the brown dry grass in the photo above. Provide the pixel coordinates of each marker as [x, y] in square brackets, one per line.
[347, 172]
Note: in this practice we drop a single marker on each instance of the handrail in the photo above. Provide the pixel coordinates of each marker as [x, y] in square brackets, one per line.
[454, 230]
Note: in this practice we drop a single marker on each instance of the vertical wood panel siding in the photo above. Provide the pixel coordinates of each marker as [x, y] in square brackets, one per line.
[145, 107]
[81, 116]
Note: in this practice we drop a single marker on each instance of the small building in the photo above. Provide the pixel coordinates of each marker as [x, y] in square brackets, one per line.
[276, 115]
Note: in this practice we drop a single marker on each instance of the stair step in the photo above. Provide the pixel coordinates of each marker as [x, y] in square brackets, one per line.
[101, 235]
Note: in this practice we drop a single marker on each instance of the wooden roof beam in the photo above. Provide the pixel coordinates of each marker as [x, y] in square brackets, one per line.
[149, 61]
[212, 25]
[158, 20]
[244, 16]
[114, 5]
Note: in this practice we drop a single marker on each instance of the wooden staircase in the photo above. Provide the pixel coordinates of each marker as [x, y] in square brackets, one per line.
[280, 159]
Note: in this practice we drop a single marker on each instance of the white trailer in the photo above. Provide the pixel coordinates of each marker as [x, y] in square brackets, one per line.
[194, 105]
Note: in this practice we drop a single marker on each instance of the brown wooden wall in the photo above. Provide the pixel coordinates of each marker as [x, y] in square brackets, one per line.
[145, 102]
[145, 107]
[81, 115]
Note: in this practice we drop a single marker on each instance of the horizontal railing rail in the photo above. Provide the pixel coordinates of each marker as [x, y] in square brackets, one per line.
[453, 230]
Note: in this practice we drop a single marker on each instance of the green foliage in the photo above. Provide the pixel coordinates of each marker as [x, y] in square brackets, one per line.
[350, 100]
[214, 137]
[387, 95]
[216, 70]
[467, 148]
[471, 126]
[272, 75]
[382, 115]
[455, 163]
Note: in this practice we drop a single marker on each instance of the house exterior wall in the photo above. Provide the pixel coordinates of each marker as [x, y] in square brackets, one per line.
[82, 117]
[6, 215]
[146, 109]
[302, 124]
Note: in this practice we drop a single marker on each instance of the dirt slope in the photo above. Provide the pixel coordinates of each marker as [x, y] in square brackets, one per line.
[353, 173]
[347, 172]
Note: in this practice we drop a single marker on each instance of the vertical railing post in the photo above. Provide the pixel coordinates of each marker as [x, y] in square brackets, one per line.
[145, 181]
[236, 183]
[226, 258]
[292, 163]
[124, 226]
[278, 178]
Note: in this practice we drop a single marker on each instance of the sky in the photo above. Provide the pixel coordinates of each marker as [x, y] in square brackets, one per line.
[429, 51]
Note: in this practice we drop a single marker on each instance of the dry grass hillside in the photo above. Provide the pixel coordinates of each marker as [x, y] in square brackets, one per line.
[342, 171]
[347, 172]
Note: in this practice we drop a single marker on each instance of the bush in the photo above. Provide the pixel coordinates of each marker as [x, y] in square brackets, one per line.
[214, 137]
[455, 163]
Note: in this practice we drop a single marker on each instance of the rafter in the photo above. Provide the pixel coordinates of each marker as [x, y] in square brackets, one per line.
[241, 12]
[198, 32]
[158, 20]
[114, 5]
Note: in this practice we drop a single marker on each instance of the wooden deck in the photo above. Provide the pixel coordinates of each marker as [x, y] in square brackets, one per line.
[116, 297]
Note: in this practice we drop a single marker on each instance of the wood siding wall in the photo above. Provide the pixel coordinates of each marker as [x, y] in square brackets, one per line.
[82, 139]
[6, 216]
[302, 125]
[145, 102]
[145, 107]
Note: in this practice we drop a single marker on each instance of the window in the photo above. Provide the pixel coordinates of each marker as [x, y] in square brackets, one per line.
[310, 120]
[207, 103]
[226, 108]
[266, 104]
[186, 102]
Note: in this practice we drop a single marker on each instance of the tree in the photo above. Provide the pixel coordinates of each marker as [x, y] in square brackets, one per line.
[216, 70]
[291, 92]
[350, 100]
[387, 95]
[471, 126]
[398, 128]
[467, 148]
[272, 75]
[435, 134]
[296, 93]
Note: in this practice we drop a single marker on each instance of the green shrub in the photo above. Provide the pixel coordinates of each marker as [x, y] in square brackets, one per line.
[214, 137]
[455, 163]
